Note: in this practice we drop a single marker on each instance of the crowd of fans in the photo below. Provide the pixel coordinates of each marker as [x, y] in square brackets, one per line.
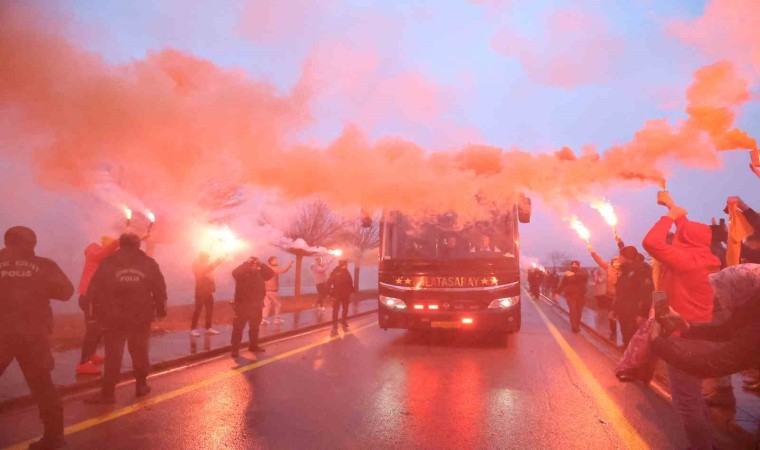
[705, 323]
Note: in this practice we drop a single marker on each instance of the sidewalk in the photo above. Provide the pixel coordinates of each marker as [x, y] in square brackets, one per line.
[169, 349]
[744, 419]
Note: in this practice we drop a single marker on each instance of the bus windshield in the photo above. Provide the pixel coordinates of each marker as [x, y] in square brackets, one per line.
[443, 237]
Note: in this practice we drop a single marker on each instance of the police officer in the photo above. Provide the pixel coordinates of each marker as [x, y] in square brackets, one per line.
[127, 292]
[341, 287]
[250, 278]
[27, 283]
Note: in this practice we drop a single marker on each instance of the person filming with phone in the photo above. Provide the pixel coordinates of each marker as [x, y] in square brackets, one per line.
[684, 282]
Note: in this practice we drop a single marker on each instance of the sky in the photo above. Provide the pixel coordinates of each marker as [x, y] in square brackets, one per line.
[442, 75]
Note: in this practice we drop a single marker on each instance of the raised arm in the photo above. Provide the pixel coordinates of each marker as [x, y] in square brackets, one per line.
[282, 269]
[599, 260]
[705, 359]
[655, 242]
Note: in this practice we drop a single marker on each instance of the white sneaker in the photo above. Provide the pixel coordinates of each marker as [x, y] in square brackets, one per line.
[211, 331]
[195, 333]
[279, 321]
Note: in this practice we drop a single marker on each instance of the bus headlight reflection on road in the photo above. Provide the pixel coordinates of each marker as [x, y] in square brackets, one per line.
[504, 303]
[393, 303]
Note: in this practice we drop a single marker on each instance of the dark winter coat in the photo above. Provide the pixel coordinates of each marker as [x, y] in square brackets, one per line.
[128, 290]
[710, 350]
[341, 283]
[634, 291]
[535, 278]
[204, 277]
[574, 284]
[250, 282]
[27, 284]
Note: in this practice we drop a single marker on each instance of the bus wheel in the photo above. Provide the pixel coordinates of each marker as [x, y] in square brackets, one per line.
[516, 325]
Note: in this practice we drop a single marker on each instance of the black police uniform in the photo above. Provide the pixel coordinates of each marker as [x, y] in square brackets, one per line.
[27, 283]
[128, 291]
[341, 287]
[249, 300]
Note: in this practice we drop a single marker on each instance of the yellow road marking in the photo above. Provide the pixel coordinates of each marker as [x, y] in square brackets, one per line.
[113, 415]
[618, 420]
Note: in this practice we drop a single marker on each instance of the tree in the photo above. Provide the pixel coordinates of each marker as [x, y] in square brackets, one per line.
[559, 259]
[318, 226]
[365, 239]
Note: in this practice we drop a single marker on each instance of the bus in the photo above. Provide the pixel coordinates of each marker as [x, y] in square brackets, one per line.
[436, 272]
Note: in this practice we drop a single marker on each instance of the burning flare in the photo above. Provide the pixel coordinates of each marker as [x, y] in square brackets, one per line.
[337, 252]
[220, 242]
[577, 225]
[127, 213]
[152, 218]
[607, 211]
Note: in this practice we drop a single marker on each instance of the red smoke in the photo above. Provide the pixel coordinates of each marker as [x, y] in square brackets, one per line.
[729, 29]
[577, 48]
[166, 124]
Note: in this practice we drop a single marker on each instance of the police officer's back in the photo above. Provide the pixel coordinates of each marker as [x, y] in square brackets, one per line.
[128, 292]
[341, 287]
[27, 283]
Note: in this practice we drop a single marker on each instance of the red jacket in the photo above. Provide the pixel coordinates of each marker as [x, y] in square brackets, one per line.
[94, 254]
[687, 265]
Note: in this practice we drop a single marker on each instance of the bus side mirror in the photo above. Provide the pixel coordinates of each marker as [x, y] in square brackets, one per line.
[524, 210]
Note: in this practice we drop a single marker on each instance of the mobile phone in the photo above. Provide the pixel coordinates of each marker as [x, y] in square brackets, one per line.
[661, 305]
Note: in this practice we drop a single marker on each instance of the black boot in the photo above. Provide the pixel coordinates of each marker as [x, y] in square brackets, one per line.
[53, 437]
[106, 396]
[141, 388]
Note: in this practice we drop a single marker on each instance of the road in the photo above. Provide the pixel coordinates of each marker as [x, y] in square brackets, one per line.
[541, 388]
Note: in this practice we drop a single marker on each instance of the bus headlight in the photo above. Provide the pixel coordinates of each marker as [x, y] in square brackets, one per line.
[393, 303]
[504, 303]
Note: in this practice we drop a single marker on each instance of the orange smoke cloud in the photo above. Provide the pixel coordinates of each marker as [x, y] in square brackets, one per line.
[164, 125]
[717, 91]
[579, 49]
[728, 29]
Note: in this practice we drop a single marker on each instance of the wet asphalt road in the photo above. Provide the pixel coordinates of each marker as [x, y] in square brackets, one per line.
[384, 389]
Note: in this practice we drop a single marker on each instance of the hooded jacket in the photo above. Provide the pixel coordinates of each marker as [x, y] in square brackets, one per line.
[27, 284]
[686, 266]
[128, 290]
[94, 254]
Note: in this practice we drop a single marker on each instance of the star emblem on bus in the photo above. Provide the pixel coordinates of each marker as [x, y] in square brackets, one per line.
[399, 280]
[494, 281]
[484, 281]
[408, 281]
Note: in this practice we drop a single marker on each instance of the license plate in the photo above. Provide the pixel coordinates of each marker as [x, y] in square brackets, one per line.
[445, 324]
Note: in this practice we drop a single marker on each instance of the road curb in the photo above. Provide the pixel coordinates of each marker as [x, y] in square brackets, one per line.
[163, 366]
[660, 390]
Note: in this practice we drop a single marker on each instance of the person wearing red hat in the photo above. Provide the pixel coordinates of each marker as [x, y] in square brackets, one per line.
[686, 267]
